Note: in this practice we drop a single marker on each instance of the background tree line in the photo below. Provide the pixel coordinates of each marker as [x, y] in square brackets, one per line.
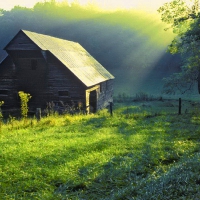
[130, 44]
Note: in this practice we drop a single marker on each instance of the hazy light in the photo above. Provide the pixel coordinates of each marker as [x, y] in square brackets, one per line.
[106, 4]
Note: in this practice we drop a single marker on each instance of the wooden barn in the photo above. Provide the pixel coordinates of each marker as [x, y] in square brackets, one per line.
[52, 70]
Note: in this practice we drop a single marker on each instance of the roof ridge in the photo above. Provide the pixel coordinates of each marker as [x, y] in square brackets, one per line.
[47, 36]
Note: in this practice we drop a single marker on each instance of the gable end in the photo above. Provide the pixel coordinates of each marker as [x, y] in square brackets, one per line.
[21, 42]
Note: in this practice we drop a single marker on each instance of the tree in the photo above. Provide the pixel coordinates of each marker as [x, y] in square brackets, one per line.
[184, 18]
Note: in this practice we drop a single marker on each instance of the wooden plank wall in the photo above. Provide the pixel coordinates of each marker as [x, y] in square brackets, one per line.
[8, 83]
[21, 42]
[105, 94]
[31, 80]
[61, 79]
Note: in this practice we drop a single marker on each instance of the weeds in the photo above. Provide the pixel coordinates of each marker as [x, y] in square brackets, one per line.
[11, 122]
[122, 98]
[143, 97]
[24, 97]
[139, 97]
[1, 115]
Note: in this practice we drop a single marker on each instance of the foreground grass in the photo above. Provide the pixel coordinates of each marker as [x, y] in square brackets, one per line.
[136, 154]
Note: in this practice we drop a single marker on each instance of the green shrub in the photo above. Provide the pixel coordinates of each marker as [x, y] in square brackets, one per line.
[24, 97]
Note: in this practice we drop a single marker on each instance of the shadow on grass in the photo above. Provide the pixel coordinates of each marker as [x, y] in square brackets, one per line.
[130, 174]
[139, 150]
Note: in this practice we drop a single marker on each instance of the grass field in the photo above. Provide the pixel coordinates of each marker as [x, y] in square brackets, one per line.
[145, 151]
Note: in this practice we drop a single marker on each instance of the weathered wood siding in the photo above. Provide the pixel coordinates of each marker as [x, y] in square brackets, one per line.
[105, 94]
[31, 73]
[31, 69]
[63, 85]
[8, 92]
[21, 42]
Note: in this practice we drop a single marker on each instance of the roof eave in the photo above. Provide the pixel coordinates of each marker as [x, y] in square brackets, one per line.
[91, 85]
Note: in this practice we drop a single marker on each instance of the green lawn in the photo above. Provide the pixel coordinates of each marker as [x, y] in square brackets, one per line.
[139, 153]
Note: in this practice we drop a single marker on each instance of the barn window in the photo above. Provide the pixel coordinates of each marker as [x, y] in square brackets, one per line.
[33, 64]
[3, 92]
[63, 93]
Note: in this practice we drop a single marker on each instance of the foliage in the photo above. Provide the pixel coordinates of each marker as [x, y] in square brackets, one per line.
[138, 155]
[184, 20]
[24, 97]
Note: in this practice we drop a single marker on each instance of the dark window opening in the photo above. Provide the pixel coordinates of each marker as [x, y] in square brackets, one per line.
[100, 87]
[63, 93]
[3, 92]
[93, 101]
[33, 64]
[106, 85]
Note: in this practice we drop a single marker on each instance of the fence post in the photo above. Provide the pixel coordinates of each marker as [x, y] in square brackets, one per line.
[179, 109]
[38, 114]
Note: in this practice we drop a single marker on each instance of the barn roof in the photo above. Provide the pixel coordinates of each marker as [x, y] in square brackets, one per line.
[3, 56]
[73, 56]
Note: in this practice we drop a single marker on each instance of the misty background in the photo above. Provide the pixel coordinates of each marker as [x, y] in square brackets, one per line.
[130, 44]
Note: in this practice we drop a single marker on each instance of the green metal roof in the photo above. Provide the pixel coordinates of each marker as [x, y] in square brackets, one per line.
[74, 57]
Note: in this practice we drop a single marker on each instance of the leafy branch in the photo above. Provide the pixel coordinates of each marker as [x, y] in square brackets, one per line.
[184, 19]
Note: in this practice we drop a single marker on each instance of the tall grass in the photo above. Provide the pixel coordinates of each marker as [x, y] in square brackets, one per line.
[131, 155]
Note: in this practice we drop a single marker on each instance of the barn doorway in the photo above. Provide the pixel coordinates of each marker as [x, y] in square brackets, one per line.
[91, 96]
[93, 101]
